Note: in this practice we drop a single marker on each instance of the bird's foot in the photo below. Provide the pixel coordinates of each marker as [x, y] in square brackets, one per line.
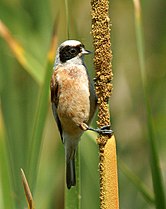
[103, 130]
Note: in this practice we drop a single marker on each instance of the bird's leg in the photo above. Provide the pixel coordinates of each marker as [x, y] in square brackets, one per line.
[102, 130]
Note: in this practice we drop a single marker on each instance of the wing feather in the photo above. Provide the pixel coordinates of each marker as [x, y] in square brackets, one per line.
[54, 100]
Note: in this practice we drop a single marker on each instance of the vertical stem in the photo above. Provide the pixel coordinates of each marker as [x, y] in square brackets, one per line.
[67, 18]
[73, 196]
[103, 67]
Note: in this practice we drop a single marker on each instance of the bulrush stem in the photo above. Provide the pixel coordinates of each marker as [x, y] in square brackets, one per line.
[104, 75]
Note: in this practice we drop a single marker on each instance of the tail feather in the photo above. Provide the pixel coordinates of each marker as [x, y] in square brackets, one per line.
[71, 144]
[70, 173]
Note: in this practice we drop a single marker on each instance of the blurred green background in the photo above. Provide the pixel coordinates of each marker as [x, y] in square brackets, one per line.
[29, 138]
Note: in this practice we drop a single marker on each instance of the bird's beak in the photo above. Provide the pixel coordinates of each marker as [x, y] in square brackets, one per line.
[84, 51]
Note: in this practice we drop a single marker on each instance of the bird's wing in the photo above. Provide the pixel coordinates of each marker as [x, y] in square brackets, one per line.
[54, 100]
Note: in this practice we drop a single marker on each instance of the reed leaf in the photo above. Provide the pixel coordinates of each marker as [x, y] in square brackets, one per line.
[154, 153]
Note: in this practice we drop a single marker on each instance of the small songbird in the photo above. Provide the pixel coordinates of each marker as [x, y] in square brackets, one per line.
[73, 100]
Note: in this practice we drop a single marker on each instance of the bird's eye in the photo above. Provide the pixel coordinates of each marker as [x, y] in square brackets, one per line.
[73, 51]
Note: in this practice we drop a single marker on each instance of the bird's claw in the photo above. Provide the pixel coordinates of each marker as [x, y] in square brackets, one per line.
[103, 130]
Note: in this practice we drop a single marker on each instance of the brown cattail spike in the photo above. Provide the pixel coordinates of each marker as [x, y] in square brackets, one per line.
[104, 76]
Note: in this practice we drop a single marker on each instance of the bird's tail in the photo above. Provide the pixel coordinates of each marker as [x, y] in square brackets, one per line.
[70, 172]
[70, 151]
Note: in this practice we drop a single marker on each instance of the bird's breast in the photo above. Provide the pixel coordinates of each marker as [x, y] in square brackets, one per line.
[74, 103]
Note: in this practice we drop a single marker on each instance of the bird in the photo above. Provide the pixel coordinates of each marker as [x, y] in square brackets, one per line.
[73, 100]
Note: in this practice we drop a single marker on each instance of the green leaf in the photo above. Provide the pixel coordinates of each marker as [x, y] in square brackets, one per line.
[142, 188]
[5, 183]
[154, 153]
[40, 118]
[28, 62]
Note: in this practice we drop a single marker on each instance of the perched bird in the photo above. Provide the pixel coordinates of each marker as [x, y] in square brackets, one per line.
[73, 100]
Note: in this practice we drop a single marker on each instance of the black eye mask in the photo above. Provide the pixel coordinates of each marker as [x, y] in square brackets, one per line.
[69, 52]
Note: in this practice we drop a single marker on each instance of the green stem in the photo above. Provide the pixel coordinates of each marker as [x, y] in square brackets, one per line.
[73, 196]
[67, 18]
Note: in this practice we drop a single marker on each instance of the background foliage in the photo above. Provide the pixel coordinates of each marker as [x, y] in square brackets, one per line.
[29, 138]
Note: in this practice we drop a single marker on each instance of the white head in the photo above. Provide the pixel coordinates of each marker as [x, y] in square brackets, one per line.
[70, 51]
